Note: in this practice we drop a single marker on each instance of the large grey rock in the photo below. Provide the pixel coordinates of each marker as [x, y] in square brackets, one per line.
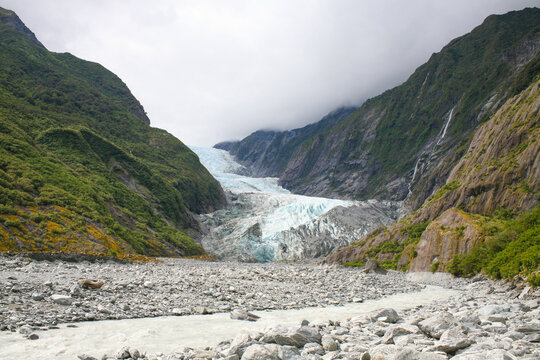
[240, 344]
[312, 348]
[386, 315]
[436, 325]
[295, 336]
[329, 343]
[397, 330]
[373, 267]
[383, 352]
[497, 354]
[259, 352]
[61, 299]
[492, 309]
[411, 354]
[451, 341]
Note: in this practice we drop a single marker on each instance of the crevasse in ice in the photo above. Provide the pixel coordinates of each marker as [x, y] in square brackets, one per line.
[265, 222]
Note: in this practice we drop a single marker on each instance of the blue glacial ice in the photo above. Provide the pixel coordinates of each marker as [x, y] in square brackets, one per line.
[266, 222]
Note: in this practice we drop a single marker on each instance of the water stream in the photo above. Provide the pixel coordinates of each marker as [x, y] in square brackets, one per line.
[165, 334]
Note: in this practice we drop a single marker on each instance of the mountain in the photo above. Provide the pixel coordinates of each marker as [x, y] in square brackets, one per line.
[403, 143]
[81, 170]
[487, 215]
[268, 153]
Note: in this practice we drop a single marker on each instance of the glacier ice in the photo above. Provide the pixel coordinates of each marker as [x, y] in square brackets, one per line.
[265, 222]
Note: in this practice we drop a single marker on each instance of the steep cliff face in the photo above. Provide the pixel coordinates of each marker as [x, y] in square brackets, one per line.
[81, 170]
[498, 173]
[403, 143]
[269, 153]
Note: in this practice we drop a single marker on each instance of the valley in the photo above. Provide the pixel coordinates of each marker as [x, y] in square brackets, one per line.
[404, 227]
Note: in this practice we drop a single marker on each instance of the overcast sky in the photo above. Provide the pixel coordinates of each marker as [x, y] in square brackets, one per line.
[209, 71]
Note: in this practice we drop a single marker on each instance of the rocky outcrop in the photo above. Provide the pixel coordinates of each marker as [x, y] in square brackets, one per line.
[500, 170]
[454, 232]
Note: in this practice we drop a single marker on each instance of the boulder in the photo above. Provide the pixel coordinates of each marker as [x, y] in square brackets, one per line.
[259, 352]
[329, 343]
[240, 344]
[386, 315]
[496, 354]
[295, 336]
[312, 348]
[451, 341]
[397, 330]
[435, 326]
[411, 354]
[372, 266]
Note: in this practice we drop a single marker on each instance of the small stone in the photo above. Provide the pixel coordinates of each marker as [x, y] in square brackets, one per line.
[86, 357]
[33, 336]
[103, 309]
[243, 315]
[90, 284]
[61, 299]
[175, 311]
[37, 296]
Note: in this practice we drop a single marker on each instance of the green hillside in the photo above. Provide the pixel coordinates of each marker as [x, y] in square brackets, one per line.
[81, 170]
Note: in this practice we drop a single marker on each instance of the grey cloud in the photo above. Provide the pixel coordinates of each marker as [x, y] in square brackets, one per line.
[209, 71]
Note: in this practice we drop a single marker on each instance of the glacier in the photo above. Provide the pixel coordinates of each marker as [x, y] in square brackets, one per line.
[265, 222]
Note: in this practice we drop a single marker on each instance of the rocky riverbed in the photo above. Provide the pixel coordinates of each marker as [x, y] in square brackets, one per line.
[41, 294]
[487, 320]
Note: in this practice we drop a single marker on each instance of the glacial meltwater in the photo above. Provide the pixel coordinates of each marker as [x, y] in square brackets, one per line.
[166, 334]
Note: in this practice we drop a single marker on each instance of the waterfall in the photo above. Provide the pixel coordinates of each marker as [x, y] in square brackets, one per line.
[446, 126]
[429, 150]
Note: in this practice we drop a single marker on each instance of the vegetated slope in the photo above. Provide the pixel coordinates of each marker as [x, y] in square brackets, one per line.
[487, 215]
[409, 137]
[81, 170]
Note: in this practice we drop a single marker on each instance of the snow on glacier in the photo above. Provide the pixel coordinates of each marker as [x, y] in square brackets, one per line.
[283, 210]
[266, 222]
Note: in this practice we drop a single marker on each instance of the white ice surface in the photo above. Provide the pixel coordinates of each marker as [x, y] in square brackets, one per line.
[277, 209]
[166, 334]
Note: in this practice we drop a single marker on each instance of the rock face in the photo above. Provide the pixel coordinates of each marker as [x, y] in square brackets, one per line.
[500, 169]
[454, 232]
[404, 142]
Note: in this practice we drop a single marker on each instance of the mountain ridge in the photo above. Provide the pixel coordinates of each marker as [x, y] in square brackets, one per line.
[486, 216]
[373, 152]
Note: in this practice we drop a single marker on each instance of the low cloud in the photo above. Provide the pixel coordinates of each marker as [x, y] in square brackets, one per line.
[209, 71]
